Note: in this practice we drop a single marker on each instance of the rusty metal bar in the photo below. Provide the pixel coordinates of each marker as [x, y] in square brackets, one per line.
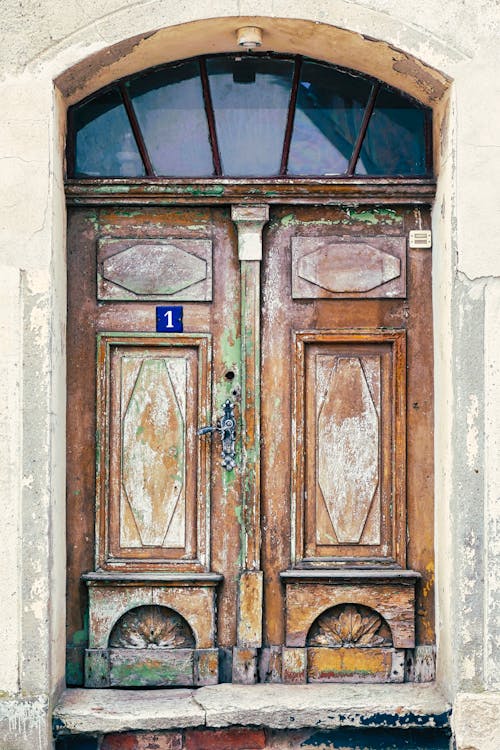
[291, 116]
[136, 129]
[364, 127]
[209, 110]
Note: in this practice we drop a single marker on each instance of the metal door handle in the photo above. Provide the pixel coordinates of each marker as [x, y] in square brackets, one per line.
[226, 426]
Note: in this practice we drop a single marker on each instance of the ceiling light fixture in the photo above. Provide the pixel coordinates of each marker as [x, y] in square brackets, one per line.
[249, 37]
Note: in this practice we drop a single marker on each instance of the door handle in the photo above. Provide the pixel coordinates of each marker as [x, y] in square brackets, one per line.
[226, 426]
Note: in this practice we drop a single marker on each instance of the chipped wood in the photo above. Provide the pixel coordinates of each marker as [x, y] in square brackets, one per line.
[250, 609]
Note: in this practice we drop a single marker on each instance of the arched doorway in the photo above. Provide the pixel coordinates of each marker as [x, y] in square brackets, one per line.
[290, 301]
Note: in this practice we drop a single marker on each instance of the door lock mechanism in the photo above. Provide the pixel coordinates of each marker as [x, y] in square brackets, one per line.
[226, 426]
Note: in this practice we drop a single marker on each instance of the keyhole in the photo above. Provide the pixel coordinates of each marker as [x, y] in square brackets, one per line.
[229, 375]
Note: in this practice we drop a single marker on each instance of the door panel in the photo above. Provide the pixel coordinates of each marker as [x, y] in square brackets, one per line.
[152, 482]
[348, 475]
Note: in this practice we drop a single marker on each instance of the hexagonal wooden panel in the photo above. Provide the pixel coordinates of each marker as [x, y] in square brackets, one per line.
[160, 269]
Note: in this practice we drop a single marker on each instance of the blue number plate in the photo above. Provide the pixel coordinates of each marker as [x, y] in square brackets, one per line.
[169, 319]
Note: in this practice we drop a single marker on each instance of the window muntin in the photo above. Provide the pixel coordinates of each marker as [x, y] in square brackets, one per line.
[168, 104]
[249, 116]
[250, 98]
[328, 116]
[104, 142]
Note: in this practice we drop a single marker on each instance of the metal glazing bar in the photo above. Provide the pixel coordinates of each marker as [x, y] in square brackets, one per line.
[134, 124]
[209, 111]
[370, 105]
[291, 116]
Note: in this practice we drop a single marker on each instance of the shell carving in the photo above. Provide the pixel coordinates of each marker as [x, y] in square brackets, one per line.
[151, 627]
[349, 626]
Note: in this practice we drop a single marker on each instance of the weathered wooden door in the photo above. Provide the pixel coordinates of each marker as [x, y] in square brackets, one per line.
[294, 564]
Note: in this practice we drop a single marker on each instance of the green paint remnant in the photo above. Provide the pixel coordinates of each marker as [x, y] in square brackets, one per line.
[139, 431]
[81, 637]
[153, 672]
[74, 673]
[288, 220]
[238, 512]
[368, 217]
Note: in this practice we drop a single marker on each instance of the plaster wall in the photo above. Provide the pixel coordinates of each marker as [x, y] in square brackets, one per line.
[52, 53]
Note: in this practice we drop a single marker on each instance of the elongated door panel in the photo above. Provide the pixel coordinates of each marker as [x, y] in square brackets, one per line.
[153, 480]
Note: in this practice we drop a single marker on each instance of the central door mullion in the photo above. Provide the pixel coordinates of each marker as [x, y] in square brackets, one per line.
[249, 221]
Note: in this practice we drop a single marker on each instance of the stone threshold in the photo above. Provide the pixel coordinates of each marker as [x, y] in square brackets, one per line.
[273, 706]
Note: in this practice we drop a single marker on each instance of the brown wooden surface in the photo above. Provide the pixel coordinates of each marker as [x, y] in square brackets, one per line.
[348, 484]
[87, 318]
[152, 480]
[334, 191]
[393, 601]
[282, 317]
[341, 267]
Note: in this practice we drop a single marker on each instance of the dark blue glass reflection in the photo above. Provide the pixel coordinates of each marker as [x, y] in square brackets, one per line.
[395, 140]
[250, 97]
[246, 104]
[330, 107]
[104, 143]
[169, 108]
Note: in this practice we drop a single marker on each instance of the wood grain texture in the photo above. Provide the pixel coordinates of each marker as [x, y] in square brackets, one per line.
[166, 269]
[341, 267]
[250, 609]
[153, 506]
[347, 447]
[395, 602]
[349, 411]
[298, 528]
[152, 627]
[194, 602]
[348, 626]
[354, 665]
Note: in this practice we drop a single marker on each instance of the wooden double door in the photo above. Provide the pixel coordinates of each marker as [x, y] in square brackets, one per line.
[293, 541]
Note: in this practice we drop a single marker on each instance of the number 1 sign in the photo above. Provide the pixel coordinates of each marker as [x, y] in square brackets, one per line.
[169, 319]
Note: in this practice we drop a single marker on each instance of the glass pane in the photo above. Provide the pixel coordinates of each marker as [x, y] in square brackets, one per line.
[104, 143]
[171, 114]
[330, 107]
[395, 140]
[250, 97]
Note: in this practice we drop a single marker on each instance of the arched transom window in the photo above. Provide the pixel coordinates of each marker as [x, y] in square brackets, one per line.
[249, 116]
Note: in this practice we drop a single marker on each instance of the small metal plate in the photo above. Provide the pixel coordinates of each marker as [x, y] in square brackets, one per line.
[169, 319]
[420, 238]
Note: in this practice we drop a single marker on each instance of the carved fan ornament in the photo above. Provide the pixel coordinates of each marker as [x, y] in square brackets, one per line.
[151, 626]
[349, 626]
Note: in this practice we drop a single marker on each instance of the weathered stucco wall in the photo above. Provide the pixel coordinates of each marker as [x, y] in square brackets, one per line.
[80, 46]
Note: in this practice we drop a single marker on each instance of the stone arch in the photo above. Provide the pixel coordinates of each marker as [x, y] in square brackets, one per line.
[324, 41]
